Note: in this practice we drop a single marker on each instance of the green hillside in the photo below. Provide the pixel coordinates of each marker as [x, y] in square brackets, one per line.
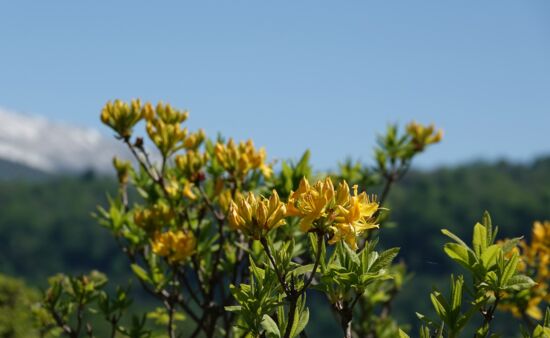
[46, 225]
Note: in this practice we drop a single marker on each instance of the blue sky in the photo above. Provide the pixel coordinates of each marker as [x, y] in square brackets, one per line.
[324, 75]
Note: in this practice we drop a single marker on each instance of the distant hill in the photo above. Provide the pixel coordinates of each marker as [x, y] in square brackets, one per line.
[46, 226]
[16, 171]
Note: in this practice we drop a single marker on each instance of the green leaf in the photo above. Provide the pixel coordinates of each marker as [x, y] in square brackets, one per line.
[456, 293]
[351, 255]
[302, 323]
[233, 308]
[489, 256]
[509, 244]
[479, 241]
[509, 270]
[402, 334]
[270, 327]
[519, 282]
[303, 269]
[460, 254]
[140, 273]
[541, 332]
[439, 305]
[424, 332]
[454, 238]
[385, 259]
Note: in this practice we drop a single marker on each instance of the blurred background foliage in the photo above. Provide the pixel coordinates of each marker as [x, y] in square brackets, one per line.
[46, 227]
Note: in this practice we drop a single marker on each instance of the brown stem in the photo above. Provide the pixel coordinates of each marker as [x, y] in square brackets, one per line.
[293, 304]
[316, 264]
[346, 315]
[489, 314]
[170, 326]
[61, 323]
[280, 276]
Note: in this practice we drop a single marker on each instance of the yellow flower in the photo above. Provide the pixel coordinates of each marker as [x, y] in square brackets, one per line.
[194, 140]
[311, 203]
[535, 262]
[256, 216]
[541, 235]
[354, 217]
[337, 212]
[239, 160]
[191, 164]
[224, 199]
[165, 113]
[176, 246]
[164, 128]
[123, 169]
[121, 116]
[154, 217]
[168, 138]
[423, 135]
[176, 190]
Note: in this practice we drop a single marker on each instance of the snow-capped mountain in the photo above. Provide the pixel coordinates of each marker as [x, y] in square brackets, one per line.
[55, 147]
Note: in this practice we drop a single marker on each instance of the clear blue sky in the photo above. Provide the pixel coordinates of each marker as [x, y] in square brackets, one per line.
[294, 74]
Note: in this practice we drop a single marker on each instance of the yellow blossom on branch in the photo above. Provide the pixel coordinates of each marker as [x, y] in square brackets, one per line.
[535, 262]
[167, 137]
[421, 135]
[154, 217]
[256, 216]
[123, 169]
[122, 117]
[354, 217]
[191, 163]
[311, 203]
[176, 246]
[239, 159]
[337, 212]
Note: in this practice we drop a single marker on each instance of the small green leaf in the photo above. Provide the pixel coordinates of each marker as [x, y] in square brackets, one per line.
[233, 308]
[460, 254]
[479, 241]
[541, 332]
[519, 282]
[439, 305]
[302, 323]
[454, 238]
[140, 273]
[489, 256]
[509, 270]
[270, 327]
[385, 259]
[303, 269]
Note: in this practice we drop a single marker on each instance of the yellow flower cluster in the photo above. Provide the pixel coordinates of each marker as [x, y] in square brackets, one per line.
[153, 218]
[191, 163]
[423, 135]
[256, 216]
[535, 262]
[121, 116]
[345, 216]
[123, 169]
[239, 159]
[164, 127]
[163, 124]
[176, 190]
[176, 246]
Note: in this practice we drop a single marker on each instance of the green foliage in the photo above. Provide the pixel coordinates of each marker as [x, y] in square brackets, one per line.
[70, 304]
[16, 301]
[205, 270]
[493, 272]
